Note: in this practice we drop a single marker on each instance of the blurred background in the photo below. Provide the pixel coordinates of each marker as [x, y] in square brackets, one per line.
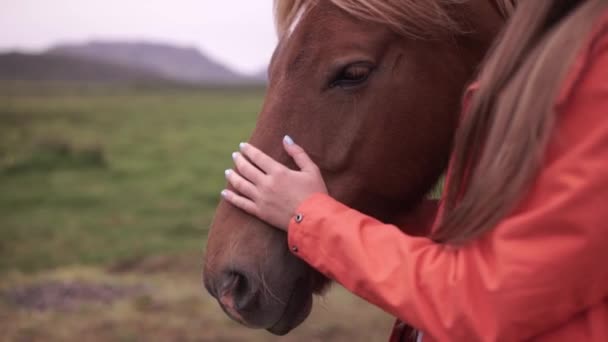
[117, 119]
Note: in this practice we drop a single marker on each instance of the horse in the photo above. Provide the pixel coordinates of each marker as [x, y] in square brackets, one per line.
[371, 89]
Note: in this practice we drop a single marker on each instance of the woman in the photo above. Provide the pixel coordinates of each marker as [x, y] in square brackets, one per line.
[519, 245]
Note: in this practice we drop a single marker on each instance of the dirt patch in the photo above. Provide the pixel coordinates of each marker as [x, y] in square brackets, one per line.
[67, 296]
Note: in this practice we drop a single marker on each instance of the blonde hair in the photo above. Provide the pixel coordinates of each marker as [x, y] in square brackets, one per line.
[500, 145]
[426, 19]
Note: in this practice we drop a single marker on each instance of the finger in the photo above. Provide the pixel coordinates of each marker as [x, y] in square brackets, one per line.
[247, 169]
[242, 185]
[240, 202]
[298, 154]
[259, 158]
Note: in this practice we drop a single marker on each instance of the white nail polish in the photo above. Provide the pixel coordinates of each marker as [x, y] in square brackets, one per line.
[242, 145]
[288, 140]
[228, 172]
[235, 155]
[224, 193]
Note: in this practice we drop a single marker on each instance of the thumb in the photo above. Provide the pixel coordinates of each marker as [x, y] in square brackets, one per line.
[298, 154]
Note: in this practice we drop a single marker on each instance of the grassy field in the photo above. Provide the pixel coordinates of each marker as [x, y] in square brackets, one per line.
[106, 194]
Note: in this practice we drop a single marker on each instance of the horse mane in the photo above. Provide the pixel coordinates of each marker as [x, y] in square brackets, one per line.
[428, 19]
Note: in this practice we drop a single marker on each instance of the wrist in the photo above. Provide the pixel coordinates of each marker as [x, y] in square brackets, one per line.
[298, 214]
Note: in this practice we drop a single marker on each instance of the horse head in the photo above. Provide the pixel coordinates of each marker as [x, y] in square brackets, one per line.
[375, 107]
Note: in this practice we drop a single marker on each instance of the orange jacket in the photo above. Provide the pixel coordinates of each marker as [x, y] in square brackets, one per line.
[541, 274]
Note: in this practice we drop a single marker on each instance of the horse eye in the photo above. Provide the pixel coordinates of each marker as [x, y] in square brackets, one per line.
[352, 75]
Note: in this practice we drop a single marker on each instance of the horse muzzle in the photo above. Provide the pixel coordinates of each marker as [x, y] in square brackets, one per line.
[251, 303]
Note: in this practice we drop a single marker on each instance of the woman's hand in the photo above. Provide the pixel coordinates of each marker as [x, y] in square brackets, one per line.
[268, 189]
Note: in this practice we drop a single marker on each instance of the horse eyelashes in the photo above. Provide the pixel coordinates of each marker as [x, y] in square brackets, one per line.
[352, 75]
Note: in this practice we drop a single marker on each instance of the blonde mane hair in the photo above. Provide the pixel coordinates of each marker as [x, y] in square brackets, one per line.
[428, 19]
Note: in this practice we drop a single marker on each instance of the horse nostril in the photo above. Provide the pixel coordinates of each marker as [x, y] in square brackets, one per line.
[236, 291]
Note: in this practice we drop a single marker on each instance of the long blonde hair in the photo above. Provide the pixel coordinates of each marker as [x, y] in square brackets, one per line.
[502, 140]
[500, 144]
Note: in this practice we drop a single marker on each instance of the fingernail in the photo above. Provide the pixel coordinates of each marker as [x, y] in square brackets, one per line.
[228, 172]
[224, 193]
[287, 139]
[242, 145]
[235, 155]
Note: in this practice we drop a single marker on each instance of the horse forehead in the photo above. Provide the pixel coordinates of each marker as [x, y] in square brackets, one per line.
[323, 19]
[322, 30]
[315, 12]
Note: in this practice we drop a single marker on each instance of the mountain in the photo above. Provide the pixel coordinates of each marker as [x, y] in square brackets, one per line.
[122, 62]
[181, 64]
[43, 67]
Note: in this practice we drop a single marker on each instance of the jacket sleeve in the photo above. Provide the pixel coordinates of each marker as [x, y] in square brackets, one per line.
[537, 269]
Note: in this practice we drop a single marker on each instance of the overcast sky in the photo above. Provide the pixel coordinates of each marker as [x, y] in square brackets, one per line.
[239, 33]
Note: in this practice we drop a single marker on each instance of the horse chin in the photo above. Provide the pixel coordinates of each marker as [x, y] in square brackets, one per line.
[298, 308]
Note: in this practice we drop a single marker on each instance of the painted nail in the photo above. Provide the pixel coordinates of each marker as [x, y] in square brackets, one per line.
[242, 145]
[288, 140]
[235, 155]
[227, 173]
[224, 193]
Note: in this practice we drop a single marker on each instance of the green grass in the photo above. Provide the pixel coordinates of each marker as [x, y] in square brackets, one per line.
[117, 185]
[95, 175]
